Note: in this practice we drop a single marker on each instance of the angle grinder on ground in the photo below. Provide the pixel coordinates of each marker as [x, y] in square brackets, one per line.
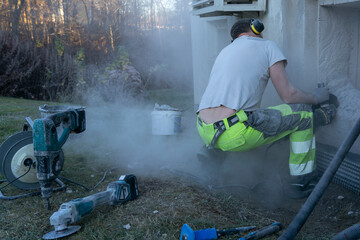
[33, 159]
[123, 190]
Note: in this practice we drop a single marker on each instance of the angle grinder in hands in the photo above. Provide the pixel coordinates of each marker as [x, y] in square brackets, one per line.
[325, 110]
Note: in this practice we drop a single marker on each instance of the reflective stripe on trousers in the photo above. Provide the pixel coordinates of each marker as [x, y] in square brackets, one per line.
[302, 153]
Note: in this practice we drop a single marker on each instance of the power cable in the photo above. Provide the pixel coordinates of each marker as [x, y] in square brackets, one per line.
[16, 178]
[62, 186]
[85, 187]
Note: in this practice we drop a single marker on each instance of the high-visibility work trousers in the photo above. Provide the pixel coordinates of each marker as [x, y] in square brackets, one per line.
[264, 126]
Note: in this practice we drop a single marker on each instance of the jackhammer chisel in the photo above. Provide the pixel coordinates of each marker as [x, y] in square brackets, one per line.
[208, 234]
[273, 228]
[118, 192]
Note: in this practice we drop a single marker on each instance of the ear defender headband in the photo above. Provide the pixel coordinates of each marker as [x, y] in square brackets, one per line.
[256, 26]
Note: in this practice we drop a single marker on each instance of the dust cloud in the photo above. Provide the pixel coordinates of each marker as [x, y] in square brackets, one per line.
[120, 135]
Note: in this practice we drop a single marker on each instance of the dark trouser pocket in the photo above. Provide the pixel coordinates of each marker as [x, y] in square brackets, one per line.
[271, 123]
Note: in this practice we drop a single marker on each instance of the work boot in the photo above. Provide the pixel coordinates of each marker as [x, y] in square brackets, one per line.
[297, 187]
[324, 115]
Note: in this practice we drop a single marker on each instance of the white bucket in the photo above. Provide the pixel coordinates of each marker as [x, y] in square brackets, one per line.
[165, 122]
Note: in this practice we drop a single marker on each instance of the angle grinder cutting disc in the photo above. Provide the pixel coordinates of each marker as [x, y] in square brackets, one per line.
[63, 233]
[14, 152]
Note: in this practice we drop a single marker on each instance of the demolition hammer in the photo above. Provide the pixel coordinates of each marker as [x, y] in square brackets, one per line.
[33, 159]
[47, 145]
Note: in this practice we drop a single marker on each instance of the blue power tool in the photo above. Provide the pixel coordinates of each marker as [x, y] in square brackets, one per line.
[208, 234]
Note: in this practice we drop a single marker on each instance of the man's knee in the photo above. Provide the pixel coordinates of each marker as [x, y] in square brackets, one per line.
[324, 115]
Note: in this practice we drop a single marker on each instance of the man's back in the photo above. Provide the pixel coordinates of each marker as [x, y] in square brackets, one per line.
[240, 74]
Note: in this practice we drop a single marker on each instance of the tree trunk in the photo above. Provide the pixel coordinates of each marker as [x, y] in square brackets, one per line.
[91, 12]
[152, 14]
[109, 22]
[16, 15]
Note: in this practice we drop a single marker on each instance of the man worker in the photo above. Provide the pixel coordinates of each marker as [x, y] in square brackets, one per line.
[229, 114]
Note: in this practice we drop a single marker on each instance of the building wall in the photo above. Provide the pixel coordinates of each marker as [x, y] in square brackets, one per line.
[209, 36]
[273, 20]
[339, 64]
[292, 25]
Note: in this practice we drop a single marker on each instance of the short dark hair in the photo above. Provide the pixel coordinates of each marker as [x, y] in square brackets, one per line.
[241, 26]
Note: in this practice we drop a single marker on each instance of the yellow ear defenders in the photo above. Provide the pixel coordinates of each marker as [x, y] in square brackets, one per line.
[256, 26]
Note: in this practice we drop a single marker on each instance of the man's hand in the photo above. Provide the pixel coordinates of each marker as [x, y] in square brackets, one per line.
[322, 94]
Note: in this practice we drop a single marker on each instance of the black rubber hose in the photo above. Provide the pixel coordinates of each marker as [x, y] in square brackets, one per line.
[60, 188]
[273, 228]
[352, 232]
[320, 188]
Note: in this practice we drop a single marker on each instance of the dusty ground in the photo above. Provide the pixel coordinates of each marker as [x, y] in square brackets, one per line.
[330, 215]
[337, 210]
[258, 183]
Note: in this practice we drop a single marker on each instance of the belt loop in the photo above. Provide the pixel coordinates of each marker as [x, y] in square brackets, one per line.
[226, 123]
[242, 115]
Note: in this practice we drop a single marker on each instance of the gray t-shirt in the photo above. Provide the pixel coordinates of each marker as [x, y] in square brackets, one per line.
[240, 74]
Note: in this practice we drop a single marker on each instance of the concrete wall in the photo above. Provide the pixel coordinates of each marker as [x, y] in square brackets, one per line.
[273, 20]
[209, 36]
[293, 26]
[339, 43]
[339, 64]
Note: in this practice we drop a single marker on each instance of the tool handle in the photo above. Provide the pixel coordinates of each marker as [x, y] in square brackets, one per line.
[212, 233]
[275, 227]
[205, 234]
[234, 230]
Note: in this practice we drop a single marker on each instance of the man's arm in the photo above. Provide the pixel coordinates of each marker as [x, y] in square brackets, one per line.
[287, 92]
